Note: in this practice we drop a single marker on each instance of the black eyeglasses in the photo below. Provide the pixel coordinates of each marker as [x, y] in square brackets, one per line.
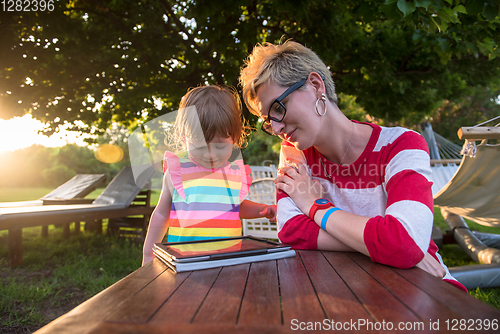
[277, 111]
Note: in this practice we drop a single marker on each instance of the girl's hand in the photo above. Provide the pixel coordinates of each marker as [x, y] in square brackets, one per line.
[297, 183]
[269, 212]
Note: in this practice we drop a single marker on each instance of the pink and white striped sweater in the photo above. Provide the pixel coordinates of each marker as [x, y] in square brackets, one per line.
[389, 182]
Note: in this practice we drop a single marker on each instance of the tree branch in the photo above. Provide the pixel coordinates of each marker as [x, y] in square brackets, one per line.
[180, 26]
[426, 71]
[105, 13]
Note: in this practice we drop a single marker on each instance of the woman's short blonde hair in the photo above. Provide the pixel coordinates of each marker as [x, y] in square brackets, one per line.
[217, 109]
[284, 64]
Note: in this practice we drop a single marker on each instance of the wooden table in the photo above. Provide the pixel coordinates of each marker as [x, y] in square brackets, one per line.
[347, 289]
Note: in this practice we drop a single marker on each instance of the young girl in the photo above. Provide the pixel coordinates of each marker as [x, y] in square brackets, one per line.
[203, 195]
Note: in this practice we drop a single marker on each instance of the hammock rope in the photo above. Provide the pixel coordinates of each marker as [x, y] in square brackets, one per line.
[470, 148]
[447, 149]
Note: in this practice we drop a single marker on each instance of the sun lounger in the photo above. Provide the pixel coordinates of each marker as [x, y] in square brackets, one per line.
[71, 192]
[115, 201]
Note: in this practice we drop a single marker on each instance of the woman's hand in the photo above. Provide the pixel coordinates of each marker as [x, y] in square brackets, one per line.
[296, 182]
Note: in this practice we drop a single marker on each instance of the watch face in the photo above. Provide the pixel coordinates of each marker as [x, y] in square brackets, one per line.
[322, 201]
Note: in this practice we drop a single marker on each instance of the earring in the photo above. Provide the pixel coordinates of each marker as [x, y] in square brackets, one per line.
[323, 98]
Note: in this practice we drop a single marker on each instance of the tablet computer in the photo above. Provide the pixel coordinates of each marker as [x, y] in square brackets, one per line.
[217, 249]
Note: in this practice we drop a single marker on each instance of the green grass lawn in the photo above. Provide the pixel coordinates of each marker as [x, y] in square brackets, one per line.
[454, 256]
[58, 274]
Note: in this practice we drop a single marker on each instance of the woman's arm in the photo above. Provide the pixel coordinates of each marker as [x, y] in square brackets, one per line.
[158, 225]
[344, 230]
[328, 242]
[299, 231]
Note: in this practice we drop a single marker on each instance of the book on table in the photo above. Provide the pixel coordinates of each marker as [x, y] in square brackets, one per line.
[205, 254]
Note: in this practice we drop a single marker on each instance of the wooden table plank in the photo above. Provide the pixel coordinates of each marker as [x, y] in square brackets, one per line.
[222, 304]
[298, 298]
[87, 316]
[337, 299]
[158, 328]
[182, 306]
[143, 305]
[261, 302]
[424, 305]
[377, 300]
[466, 306]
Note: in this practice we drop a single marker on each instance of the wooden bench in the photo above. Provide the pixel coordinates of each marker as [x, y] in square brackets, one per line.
[134, 226]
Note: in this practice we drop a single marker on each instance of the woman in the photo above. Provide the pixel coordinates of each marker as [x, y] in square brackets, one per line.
[343, 185]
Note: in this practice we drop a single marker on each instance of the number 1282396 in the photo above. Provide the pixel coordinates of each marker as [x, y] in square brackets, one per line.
[27, 5]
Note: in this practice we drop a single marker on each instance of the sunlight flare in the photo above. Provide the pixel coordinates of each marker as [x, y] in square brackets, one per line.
[109, 153]
[22, 132]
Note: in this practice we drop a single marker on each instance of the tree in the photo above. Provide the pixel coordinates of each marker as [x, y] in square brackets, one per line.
[262, 149]
[91, 63]
[479, 105]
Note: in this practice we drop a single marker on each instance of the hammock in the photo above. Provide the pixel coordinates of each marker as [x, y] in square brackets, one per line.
[442, 173]
[474, 190]
[445, 157]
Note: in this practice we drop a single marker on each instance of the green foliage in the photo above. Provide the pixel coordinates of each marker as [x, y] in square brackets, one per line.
[352, 109]
[478, 105]
[440, 14]
[127, 62]
[262, 149]
[490, 296]
[57, 174]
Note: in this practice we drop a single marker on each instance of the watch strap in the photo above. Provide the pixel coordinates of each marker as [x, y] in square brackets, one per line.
[315, 207]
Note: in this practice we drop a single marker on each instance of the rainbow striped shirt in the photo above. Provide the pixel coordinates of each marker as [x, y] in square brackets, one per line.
[205, 201]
